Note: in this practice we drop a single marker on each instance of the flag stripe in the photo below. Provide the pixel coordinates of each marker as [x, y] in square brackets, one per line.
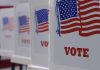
[90, 17]
[89, 5]
[90, 33]
[7, 23]
[84, 2]
[25, 27]
[92, 27]
[43, 27]
[89, 11]
[70, 20]
[71, 25]
[42, 20]
[69, 31]
[41, 24]
[87, 22]
[66, 24]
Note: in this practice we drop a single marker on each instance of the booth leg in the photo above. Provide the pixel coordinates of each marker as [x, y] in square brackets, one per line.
[21, 67]
[0, 58]
[26, 67]
[13, 66]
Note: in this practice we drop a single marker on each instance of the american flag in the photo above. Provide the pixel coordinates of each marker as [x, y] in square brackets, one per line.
[42, 20]
[89, 12]
[23, 24]
[78, 15]
[8, 23]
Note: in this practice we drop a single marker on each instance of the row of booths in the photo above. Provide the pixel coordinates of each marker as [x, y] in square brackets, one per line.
[52, 34]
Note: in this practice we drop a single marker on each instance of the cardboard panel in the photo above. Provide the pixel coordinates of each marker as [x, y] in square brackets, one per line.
[8, 29]
[23, 42]
[74, 34]
[40, 32]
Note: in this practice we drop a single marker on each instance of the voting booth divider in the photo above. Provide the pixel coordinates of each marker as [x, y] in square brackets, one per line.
[52, 34]
[74, 35]
[40, 34]
[7, 31]
[22, 50]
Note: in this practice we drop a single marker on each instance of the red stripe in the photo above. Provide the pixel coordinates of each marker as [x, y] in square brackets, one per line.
[89, 11]
[84, 1]
[41, 24]
[43, 27]
[71, 25]
[90, 28]
[68, 21]
[90, 33]
[25, 28]
[90, 16]
[90, 22]
[23, 31]
[89, 5]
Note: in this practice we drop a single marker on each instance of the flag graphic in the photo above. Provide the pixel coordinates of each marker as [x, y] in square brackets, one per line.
[41, 20]
[89, 11]
[23, 24]
[78, 15]
[8, 23]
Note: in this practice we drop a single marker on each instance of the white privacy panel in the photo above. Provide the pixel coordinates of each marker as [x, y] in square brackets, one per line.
[74, 34]
[7, 31]
[40, 32]
[11, 2]
[23, 42]
[7, 2]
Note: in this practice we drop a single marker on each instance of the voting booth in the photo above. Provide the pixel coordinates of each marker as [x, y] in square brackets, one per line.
[7, 19]
[40, 34]
[7, 32]
[74, 34]
[23, 42]
[7, 2]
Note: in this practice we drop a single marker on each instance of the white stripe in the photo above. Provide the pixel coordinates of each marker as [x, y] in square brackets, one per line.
[89, 8]
[91, 19]
[87, 31]
[86, 15]
[73, 22]
[69, 19]
[70, 28]
[90, 25]
[43, 25]
[88, 3]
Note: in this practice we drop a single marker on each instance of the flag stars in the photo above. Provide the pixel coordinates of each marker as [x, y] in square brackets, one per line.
[42, 15]
[67, 9]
